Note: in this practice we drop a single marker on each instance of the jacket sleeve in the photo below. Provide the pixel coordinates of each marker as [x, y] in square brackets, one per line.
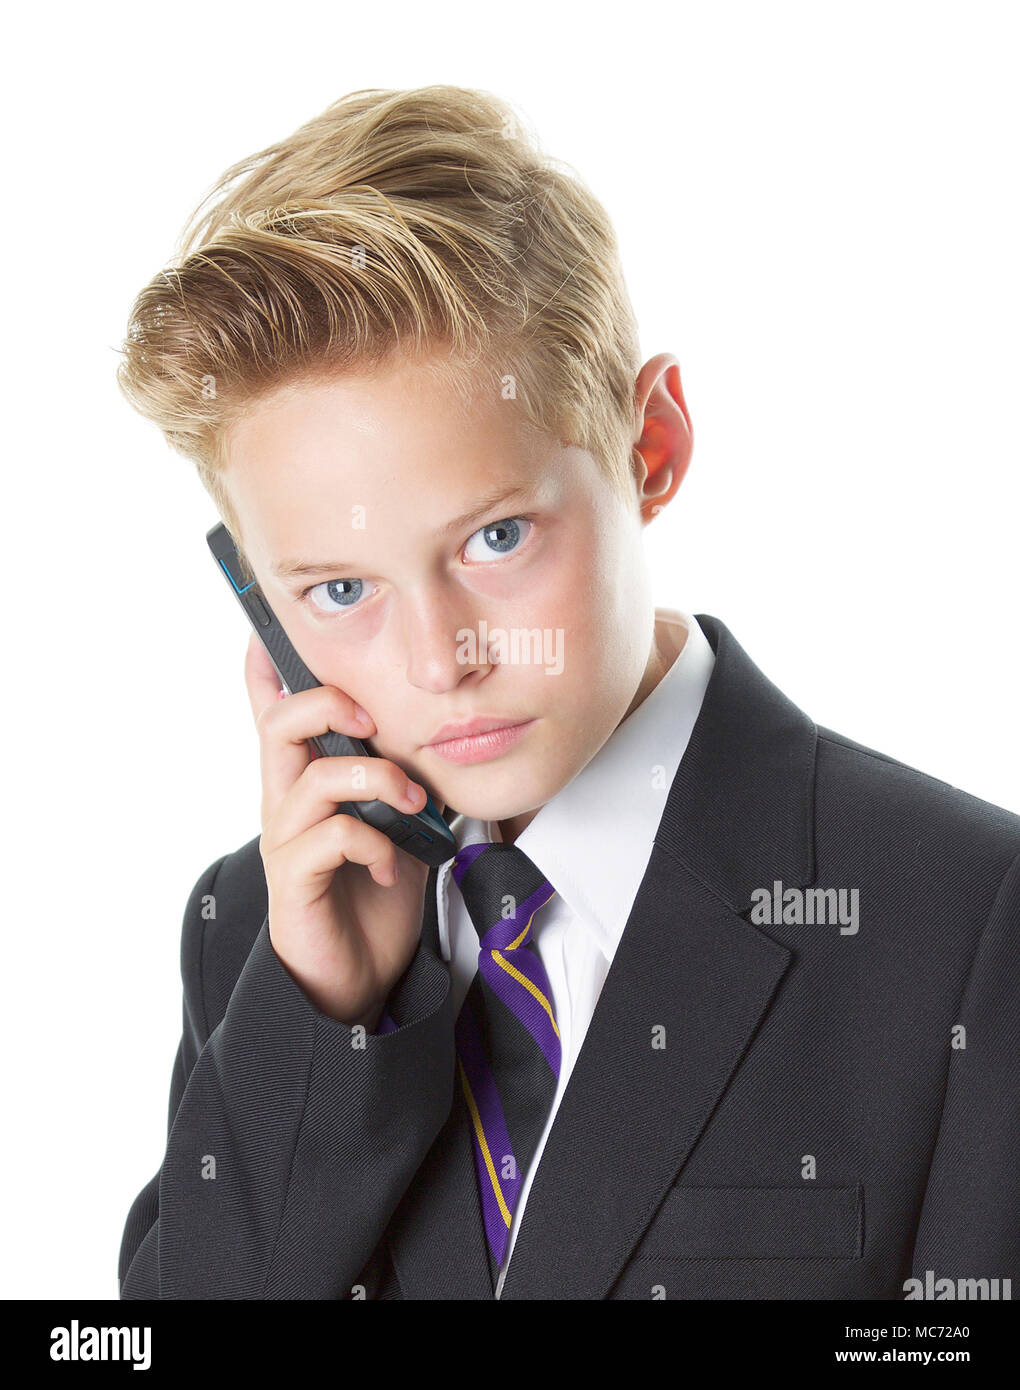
[969, 1226]
[291, 1136]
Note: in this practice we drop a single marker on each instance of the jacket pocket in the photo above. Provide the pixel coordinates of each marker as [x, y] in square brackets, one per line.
[757, 1223]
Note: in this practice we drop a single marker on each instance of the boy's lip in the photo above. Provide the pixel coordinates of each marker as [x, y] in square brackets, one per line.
[480, 724]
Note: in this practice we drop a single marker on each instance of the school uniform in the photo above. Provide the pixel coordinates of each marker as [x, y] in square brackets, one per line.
[782, 972]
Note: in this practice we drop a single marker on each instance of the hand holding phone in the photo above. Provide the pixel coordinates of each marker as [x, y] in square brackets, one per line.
[343, 918]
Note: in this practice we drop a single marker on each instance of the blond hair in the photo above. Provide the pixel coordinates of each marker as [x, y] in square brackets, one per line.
[420, 221]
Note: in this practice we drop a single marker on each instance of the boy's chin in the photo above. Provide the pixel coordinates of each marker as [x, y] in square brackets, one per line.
[489, 808]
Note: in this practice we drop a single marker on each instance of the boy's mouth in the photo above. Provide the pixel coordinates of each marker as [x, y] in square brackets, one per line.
[467, 728]
[477, 740]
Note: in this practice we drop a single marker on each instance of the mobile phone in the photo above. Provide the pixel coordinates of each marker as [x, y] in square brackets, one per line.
[424, 834]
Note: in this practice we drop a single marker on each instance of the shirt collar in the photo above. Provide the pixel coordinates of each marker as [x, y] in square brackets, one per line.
[593, 840]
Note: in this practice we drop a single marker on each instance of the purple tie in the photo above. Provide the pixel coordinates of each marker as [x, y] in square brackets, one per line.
[508, 1044]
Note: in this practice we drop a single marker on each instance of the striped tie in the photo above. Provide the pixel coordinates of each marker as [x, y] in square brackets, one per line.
[508, 1045]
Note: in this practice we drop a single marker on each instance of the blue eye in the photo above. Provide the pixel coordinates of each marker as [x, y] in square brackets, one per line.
[342, 592]
[501, 537]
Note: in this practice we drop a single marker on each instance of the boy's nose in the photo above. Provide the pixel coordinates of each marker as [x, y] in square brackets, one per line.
[441, 647]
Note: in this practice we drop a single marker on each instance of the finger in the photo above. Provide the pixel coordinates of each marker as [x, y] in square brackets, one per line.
[284, 731]
[316, 794]
[309, 862]
[264, 693]
[260, 677]
[313, 752]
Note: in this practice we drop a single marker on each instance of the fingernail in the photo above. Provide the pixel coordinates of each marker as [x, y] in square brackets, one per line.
[362, 714]
[414, 792]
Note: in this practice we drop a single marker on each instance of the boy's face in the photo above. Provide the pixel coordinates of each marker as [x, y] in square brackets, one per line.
[364, 476]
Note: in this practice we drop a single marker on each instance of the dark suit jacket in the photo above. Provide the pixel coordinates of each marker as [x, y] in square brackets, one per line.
[675, 1169]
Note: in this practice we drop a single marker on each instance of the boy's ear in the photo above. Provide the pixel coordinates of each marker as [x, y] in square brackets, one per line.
[665, 440]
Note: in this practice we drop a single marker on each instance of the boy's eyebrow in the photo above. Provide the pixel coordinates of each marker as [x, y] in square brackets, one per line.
[290, 569]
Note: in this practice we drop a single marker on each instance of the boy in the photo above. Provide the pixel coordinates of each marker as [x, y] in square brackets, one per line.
[710, 1002]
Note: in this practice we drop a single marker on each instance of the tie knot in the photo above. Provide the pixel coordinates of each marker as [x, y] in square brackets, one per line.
[502, 890]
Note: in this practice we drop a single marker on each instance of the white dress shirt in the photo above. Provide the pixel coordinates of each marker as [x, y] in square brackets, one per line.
[592, 841]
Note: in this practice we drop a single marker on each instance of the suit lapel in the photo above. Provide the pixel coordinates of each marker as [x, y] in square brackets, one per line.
[690, 973]
[689, 984]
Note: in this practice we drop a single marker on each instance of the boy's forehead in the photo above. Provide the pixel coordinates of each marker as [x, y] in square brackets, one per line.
[312, 458]
[375, 426]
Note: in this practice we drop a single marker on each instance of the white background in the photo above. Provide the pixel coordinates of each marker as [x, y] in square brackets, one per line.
[817, 206]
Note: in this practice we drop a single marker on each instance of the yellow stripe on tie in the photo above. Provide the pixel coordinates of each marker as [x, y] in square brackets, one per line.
[527, 925]
[476, 1120]
[529, 985]
[517, 941]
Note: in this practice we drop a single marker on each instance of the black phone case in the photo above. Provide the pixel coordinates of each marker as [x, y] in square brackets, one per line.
[424, 834]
